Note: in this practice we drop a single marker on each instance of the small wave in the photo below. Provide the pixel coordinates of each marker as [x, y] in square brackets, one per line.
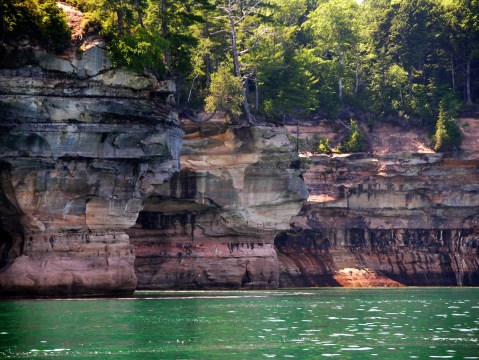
[353, 348]
[274, 320]
[465, 329]
[50, 350]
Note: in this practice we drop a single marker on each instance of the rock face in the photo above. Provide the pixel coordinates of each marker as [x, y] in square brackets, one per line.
[81, 146]
[93, 200]
[235, 191]
[393, 219]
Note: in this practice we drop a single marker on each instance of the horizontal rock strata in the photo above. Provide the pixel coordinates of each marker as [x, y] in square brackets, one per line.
[81, 146]
[396, 219]
[235, 191]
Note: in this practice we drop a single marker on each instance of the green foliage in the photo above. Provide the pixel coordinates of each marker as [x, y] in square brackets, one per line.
[139, 50]
[389, 59]
[355, 140]
[225, 92]
[324, 147]
[38, 20]
[54, 30]
[448, 135]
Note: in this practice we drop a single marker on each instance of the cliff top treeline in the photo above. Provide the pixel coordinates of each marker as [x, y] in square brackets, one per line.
[274, 58]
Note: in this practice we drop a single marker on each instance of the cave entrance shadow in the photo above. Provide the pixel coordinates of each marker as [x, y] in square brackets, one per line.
[307, 252]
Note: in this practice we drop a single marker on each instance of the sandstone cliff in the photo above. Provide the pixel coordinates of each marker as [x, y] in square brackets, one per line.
[388, 218]
[81, 146]
[236, 190]
[94, 201]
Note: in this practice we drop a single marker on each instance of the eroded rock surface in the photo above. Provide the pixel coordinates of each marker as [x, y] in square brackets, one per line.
[394, 219]
[81, 146]
[236, 190]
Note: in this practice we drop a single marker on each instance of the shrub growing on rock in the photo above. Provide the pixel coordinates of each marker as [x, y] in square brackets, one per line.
[41, 21]
[448, 135]
[324, 147]
[355, 140]
[225, 92]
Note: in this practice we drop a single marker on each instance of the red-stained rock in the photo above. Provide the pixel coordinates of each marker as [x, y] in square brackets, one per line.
[386, 220]
[81, 146]
[236, 190]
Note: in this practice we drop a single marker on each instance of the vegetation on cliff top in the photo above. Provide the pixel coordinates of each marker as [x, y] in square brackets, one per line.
[294, 58]
[39, 20]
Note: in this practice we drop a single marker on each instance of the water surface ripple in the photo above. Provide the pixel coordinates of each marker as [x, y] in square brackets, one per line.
[405, 323]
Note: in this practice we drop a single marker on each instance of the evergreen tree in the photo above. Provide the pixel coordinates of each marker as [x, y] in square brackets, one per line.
[225, 92]
[462, 16]
[448, 135]
[335, 27]
[396, 59]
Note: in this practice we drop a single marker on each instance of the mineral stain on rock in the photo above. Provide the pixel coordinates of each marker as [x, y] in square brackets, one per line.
[81, 147]
[235, 191]
[104, 191]
[391, 219]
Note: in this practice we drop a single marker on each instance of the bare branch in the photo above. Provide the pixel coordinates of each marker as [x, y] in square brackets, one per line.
[219, 32]
[254, 46]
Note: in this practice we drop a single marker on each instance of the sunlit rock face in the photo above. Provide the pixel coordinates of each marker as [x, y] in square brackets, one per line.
[236, 190]
[81, 146]
[396, 219]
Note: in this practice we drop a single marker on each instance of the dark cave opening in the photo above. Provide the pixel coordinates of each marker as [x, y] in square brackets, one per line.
[6, 243]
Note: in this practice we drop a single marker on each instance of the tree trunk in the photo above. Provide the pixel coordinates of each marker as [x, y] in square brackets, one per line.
[340, 74]
[139, 13]
[356, 88]
[453, 75]
[119, 14]
[191, 88]
[256, 96]
[4, 26]
[208, 68]
[236, 62]
[410, 83]
[297, 133]
[164, 29]
[468, 82]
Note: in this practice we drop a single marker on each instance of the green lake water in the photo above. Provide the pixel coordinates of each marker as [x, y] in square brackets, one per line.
[405, 323]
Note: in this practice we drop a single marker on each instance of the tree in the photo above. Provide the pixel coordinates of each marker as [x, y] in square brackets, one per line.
[408, 58]
[448, 135]
[335, 27]
[42, 21]
[463, 20]
[173, 20]
[225, 92]
[237, 11]
[131, 43]
[283, 75]
[412, 35]
[355, 140]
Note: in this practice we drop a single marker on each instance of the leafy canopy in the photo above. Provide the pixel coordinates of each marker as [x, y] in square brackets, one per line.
[37, 20]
